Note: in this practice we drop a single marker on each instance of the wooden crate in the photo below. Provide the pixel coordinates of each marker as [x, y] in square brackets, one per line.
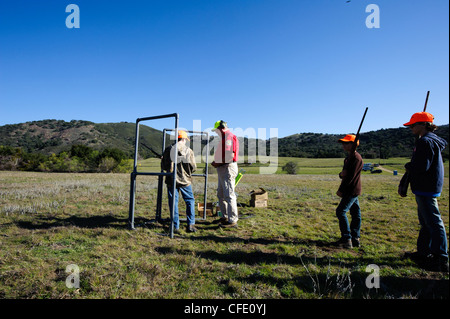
[209, 209]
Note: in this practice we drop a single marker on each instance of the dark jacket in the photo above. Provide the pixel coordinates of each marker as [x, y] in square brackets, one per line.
[351, 175]
[426, 167]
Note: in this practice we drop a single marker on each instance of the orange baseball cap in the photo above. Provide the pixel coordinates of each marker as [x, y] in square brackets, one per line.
[420, 117]
[183, 134]
[348, 138]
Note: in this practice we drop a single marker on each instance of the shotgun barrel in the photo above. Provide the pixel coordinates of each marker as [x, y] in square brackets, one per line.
[355, 144]
[426, 102]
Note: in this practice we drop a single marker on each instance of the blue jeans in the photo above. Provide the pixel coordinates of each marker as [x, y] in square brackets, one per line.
[352, 230]
[188, 197]
[432, 236]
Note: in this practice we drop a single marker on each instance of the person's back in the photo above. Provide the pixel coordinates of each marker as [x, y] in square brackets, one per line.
[186, 164]
[185, 167]
[227, 149]
[427, 167]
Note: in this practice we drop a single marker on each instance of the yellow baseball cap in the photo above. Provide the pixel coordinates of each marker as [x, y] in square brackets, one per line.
[183, 134]
[218, 124]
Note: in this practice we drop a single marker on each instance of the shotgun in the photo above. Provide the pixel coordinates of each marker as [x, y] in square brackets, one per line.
[152, 150]
[426, 101]
[424, 110]
[355, 144]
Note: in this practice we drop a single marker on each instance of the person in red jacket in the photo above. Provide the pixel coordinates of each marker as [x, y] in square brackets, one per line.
[225, 161]
[349, 190]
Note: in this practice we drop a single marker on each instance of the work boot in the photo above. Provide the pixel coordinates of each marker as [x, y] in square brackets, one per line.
[228, 225]
[417, 257]
[221, 220]
[191, 229]
[436, 263]
[356, 242]
[412, 255]
[343, 243]
[444, 267]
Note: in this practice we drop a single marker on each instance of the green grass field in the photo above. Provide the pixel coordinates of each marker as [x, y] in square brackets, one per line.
[306, 165]
[49, 221]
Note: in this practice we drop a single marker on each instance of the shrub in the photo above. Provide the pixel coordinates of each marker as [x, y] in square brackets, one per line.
[116, 154]
[290, 168]
[81, 151]
[107, 164]
[125, 166]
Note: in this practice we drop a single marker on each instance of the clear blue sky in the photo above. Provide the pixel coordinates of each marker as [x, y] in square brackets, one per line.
[296, 65]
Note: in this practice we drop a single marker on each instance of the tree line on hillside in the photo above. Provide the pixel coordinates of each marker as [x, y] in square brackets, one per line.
[79, 158]
[384, 143]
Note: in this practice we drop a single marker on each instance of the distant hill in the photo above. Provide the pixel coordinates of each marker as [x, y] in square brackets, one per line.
[384, 143]
[55, 136]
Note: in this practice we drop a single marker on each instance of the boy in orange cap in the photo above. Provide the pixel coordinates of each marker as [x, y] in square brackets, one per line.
[426, 171]
[349, 190]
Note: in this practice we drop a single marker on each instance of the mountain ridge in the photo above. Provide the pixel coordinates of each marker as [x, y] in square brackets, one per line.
[55, 136]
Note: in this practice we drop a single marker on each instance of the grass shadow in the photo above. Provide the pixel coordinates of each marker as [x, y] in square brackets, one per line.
[353, 286]
[77, 221]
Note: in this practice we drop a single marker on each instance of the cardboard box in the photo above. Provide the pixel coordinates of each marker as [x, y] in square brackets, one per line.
[258, 203]
[209, 209]
[259, 197]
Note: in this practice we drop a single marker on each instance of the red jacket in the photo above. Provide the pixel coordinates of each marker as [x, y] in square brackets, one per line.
[228, 144]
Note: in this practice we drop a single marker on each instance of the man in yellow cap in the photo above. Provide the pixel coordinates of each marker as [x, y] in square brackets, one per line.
[426, 171]
[225, 161]
[186, 165]
[349, 190]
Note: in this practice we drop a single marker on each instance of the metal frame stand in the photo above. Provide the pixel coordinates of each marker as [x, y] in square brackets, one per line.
[136, 173]
[160, 175]
[205, 175]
